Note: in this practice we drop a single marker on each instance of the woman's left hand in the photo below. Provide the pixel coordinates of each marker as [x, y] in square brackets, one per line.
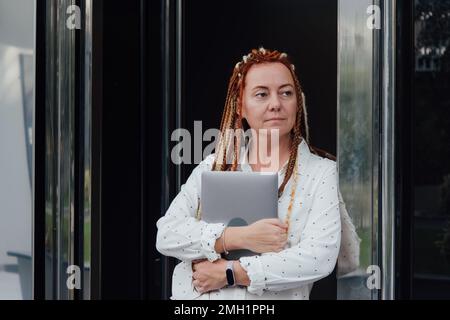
[208, 276]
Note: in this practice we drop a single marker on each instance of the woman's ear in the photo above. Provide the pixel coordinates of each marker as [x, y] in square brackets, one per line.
[240, 108]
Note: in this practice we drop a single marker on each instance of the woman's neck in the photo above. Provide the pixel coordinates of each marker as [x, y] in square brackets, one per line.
[271, 156]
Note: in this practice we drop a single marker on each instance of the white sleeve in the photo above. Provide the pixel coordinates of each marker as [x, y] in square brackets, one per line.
[314, 257]
[348, 259]
[180, 234]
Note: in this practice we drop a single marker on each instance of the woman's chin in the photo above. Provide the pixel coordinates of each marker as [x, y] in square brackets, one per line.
[274, 126]
[275, 129]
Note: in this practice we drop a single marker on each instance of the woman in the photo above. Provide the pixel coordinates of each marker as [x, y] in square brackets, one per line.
[297, 249]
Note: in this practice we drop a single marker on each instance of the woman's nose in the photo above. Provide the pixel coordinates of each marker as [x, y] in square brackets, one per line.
[275, 104]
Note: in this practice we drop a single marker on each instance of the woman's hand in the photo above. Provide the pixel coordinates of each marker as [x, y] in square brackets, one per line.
[208, 276]
[266, 235]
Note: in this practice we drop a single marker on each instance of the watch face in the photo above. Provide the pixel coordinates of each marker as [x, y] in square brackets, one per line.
[230, 277]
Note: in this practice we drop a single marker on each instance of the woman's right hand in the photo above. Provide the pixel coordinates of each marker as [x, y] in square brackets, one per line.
[266, 235]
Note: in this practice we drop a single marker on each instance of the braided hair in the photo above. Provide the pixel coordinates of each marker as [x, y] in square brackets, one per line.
[232, 120]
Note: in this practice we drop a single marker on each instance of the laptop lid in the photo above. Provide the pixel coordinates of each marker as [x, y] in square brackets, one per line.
[238, 198]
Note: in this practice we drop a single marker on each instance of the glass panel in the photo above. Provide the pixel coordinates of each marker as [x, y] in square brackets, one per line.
[60, 103]
[62, 213]
[431, 151]
[387, 148]
[357, 148]
[87, 201]
[16, 147]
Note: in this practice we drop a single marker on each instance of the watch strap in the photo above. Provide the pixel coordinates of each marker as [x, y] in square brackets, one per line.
[230, 273]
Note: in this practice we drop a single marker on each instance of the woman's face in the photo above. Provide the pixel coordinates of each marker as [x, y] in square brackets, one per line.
[269, 99]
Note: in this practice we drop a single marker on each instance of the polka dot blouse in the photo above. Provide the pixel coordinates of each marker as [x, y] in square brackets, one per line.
[313, 240]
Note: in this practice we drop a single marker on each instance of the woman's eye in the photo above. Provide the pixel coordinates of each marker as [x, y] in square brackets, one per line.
[261, 94]
[287, 93]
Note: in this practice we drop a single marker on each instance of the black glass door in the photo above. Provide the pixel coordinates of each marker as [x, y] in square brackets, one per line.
[425, 82]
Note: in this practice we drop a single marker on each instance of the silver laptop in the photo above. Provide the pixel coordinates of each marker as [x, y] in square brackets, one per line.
[238, 199]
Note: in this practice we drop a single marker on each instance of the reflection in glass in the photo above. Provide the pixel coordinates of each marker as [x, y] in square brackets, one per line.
[60, 104]
[356, 144]
[87, 201]
[16, 143]
[431, 152]
[66, 218]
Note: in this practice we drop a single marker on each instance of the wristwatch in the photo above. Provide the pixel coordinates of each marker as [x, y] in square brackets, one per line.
[230, 273]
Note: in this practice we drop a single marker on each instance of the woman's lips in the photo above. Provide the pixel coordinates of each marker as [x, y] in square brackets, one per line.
[275, 119]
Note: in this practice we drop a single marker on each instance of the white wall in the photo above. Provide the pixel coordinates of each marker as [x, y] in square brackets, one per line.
[16, 36]
[17, 23]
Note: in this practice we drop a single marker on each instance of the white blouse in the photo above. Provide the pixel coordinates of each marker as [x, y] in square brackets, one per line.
[310, 255]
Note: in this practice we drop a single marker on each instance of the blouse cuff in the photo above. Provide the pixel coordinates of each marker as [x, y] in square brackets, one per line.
[255, 273]
[210, 233]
